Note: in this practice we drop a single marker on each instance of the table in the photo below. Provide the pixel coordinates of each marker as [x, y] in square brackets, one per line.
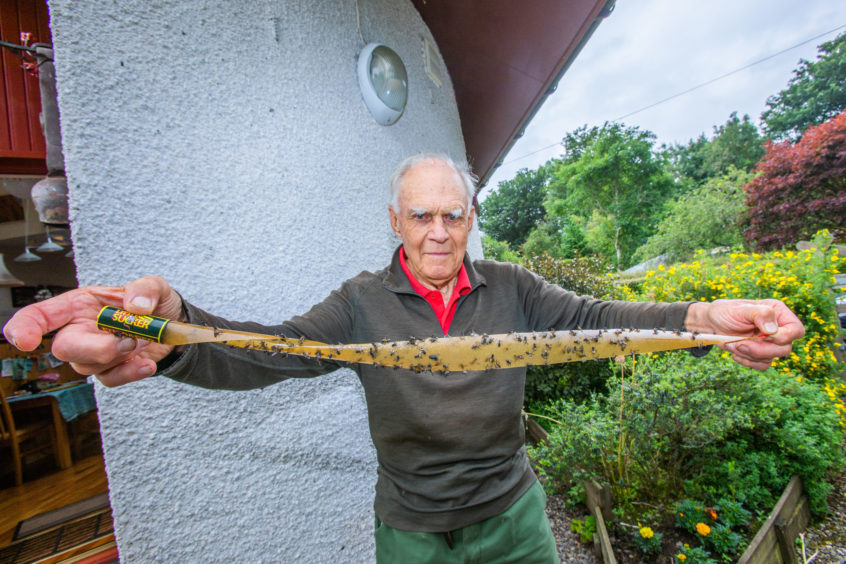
[66, 404]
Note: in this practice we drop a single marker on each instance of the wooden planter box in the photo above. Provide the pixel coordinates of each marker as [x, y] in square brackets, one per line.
[775, 541]
[599, 504]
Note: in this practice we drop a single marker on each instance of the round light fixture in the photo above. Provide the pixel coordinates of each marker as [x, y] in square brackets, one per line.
[27, 256]
[383, 82]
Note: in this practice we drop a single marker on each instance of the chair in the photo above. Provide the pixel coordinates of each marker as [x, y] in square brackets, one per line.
[84, 431]
[16, 436]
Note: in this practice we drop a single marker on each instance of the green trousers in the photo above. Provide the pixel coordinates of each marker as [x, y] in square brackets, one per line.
[520, 535]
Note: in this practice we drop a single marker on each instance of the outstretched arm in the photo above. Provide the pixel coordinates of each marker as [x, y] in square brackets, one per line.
[749, 318]
[114, 360]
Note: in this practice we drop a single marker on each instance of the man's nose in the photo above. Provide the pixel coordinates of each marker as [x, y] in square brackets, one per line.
[438, 230]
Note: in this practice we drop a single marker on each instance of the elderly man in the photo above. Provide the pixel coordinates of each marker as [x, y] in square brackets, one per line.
[454, 482]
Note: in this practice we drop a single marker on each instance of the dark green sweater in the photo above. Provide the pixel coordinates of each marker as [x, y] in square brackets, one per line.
[450, 448]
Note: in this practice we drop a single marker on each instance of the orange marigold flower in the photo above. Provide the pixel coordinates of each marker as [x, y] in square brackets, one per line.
[712, 514]
[703, 529]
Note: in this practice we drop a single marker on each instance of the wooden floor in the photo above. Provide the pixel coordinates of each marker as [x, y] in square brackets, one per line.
[86, 478]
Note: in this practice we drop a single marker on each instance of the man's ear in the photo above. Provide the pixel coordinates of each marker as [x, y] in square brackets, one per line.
[394, 221]
[470, 217]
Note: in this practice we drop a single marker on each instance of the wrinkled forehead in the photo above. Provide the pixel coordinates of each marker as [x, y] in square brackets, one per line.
[434, 185]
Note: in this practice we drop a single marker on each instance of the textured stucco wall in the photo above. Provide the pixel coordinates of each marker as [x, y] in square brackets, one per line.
[224, 145]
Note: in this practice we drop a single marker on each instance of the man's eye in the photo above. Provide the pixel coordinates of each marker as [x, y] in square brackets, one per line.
[421, 216]
[452, 217]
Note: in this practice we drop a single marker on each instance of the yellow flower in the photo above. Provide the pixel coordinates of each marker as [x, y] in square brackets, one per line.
[646, 532]
[703, 529]
[681, 556]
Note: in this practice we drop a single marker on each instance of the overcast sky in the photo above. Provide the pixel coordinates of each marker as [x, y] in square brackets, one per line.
[649, 50]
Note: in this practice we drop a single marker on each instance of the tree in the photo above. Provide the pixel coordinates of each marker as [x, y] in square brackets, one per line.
[611, 175]
[545, 238]
[801, 188]
[706, 217]
[687, 162]
[736, 144]
[573, 243]
[511, 211]
[600, 232]
[816, 93]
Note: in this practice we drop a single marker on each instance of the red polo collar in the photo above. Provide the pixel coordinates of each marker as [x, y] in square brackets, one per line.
[444, 313]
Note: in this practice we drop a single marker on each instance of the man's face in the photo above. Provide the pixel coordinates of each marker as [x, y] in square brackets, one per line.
[433, 221]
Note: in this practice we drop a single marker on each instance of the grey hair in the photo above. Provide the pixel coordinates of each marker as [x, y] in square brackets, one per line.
[468, 179]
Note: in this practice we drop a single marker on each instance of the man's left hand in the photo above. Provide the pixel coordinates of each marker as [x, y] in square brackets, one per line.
[770, 319]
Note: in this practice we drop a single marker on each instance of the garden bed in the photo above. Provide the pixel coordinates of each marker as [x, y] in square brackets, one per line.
[825, 537]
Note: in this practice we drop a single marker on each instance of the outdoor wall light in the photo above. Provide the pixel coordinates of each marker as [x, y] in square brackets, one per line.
[383, 82]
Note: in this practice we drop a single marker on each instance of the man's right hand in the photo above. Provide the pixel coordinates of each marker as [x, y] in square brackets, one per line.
[114, 360]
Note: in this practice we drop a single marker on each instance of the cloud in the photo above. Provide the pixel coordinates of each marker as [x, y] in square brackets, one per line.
[649, 50]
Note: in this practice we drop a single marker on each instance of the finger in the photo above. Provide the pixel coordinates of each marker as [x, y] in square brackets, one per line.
[132, 370]
[773, 318]
[105, 363]
[756, 364]
[30, 323]
[85, 344]
[759, 349]
[790, 326]
[764, 319]
[152, 294]
[757, 354]
[149, 353]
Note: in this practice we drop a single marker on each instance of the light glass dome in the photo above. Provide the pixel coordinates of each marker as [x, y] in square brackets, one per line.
[383, 82]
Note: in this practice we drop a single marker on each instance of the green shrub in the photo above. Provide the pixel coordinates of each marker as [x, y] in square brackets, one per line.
[572, 452]
[578, 380]
[731, 513]
[795, 429]
[708, 427]
[572, 381]
[587, 276]
[498, 250]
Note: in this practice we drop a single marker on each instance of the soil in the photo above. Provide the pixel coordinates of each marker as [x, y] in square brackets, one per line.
[570, 548]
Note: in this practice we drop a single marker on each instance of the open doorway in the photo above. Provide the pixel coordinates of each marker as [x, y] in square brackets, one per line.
[46, 403]
[55, 471]
[54, 477]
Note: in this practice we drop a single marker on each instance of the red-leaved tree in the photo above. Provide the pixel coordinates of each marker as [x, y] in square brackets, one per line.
[801, 188]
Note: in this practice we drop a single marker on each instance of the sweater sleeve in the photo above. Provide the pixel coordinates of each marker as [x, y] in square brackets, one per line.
[549, 306]
[231, 368]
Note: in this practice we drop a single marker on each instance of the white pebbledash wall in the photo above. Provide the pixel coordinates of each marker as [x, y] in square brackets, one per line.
[224, 145]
